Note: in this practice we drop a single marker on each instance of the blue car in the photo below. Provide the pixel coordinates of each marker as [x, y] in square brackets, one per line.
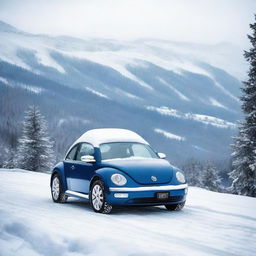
[112, 167]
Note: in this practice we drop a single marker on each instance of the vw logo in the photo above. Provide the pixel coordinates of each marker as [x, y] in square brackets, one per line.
[153, 178]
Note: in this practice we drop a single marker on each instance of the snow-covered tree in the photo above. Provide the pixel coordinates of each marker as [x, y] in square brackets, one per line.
[192, 169]
[244, 147]
[10, 162]
[210, 178]
[35, 149]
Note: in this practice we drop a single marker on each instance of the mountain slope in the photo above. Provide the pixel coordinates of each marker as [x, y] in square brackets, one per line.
[104, 83]
[31, 224]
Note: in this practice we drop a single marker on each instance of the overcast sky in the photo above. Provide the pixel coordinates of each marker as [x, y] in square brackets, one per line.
[201, 21]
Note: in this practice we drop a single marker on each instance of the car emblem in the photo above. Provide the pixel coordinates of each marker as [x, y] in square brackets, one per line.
[153, 178]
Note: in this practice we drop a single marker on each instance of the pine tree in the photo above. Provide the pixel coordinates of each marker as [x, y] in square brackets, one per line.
[35, 149]
[192, 170]
[10, 161]
[10, 158]
[244, 147]
[210, 178]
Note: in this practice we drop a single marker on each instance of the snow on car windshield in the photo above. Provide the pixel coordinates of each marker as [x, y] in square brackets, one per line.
[130, 150]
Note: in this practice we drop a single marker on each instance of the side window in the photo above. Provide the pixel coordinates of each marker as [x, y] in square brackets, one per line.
[72, 153]
[85, 149]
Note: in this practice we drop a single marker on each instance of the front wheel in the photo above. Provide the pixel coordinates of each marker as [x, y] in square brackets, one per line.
[174, 207]
[58, 195]
[97, 198]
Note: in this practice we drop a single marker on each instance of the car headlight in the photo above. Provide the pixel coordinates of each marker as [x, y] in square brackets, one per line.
[118, 179]
[180, 177]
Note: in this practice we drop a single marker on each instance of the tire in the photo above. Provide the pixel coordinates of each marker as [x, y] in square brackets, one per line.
[97, 198]
[58, 194]
[174, 207]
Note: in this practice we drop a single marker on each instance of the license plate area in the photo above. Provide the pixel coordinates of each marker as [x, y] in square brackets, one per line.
[162, 195]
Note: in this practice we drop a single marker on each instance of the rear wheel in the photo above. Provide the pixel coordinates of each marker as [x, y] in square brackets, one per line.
[58, 194]
[97, 198]
[174, 207]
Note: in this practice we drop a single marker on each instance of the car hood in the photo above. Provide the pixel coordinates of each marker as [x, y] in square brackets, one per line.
[142, 169]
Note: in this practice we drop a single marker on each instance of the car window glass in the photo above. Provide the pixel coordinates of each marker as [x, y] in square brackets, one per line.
[85, 149]
[141, 151]
[105, 148]
[125, 150]
[72, 153]
[115, 150]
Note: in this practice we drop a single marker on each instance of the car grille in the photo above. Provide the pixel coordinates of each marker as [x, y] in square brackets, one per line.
[154, 200]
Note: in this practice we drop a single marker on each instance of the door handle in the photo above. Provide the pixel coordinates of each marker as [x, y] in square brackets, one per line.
[72, 167]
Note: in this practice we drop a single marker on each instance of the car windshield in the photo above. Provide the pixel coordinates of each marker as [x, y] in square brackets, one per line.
[126, 150]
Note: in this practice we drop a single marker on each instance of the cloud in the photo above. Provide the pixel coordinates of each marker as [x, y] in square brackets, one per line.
[201, 21]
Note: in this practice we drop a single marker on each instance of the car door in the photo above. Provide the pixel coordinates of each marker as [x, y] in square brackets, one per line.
[79, 172]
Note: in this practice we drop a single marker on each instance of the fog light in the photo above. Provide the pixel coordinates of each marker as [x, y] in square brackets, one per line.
[121, 195]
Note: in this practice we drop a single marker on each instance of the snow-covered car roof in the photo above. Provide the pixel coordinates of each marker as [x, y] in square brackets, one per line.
[105, 135]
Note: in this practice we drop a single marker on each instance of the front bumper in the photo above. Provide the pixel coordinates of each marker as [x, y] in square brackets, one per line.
[146, 195]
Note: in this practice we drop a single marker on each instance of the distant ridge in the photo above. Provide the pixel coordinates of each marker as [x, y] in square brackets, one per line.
[5, 27]
[179, 96]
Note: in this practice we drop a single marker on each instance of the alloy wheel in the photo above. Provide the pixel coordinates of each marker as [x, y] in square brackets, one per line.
[55, 188]
[97, 197]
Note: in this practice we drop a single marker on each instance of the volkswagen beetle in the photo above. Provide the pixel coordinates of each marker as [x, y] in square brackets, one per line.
[112, 167]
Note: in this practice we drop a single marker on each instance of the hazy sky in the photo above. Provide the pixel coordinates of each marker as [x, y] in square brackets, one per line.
[202, 21]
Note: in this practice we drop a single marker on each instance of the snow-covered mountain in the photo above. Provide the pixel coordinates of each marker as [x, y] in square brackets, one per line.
[31, 224]
[181, 97]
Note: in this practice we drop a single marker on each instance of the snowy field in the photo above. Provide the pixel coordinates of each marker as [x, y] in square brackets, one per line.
[31, 224]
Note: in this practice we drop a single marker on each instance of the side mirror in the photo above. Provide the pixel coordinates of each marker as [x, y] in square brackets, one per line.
[88, 159]
[161, 155]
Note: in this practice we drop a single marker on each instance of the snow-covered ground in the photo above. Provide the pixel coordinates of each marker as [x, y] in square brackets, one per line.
[31, 224]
